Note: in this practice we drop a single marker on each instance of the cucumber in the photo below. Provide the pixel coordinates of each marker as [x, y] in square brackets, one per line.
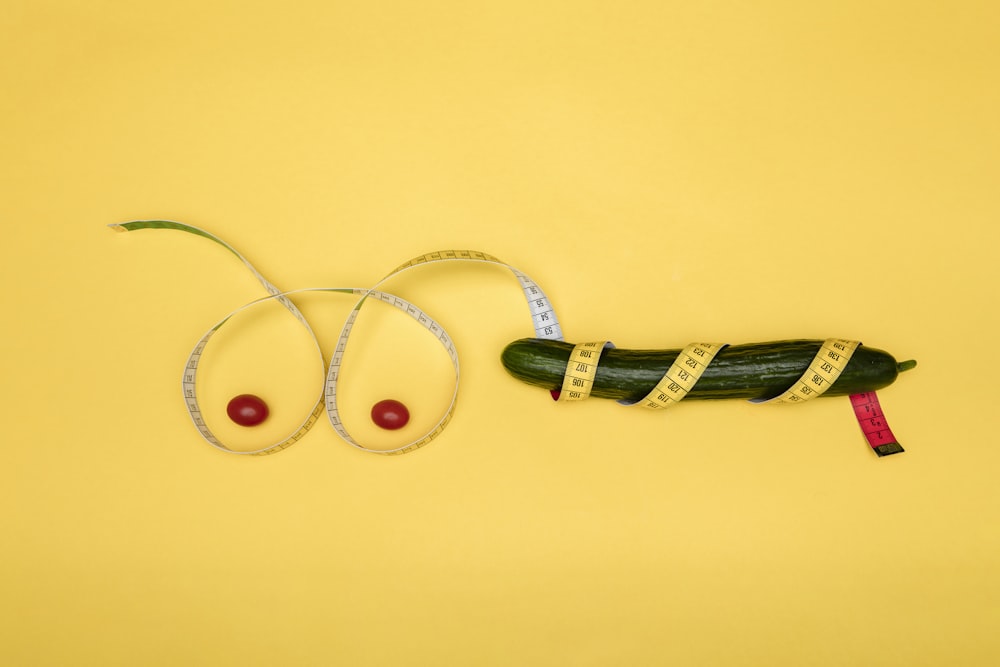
[755, 371]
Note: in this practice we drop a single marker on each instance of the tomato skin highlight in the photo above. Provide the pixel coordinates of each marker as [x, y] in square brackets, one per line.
[247, 410]
[390, 414]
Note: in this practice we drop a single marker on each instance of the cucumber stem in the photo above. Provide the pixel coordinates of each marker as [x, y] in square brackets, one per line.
[906, 365]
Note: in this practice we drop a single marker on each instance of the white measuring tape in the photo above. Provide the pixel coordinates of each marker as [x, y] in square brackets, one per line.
[543, 317]
[581, 369]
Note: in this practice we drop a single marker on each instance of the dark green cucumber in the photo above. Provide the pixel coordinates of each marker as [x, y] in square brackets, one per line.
[756, 371]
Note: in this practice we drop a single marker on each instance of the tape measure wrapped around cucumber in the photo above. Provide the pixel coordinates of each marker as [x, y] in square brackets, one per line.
[790, 371]
[758, 372]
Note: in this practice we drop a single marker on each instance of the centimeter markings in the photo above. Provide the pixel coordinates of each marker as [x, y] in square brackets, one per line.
[873, 424]
[690, 364]
[824, 369]
[682, 375]
[333, 373]
[189, 381]
[543, 316]
[578, 381]
[822, 372]
[581, 370]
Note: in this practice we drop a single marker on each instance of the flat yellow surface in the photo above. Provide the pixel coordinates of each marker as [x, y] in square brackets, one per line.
[667, 172]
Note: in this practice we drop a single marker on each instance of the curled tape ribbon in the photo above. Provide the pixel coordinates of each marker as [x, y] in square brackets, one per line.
[682, 375]
[822, 372]
[544, 318]
[691, 364]
[578, 381]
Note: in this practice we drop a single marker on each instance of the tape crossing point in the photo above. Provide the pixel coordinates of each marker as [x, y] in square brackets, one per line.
[578, 381]
[544, 320]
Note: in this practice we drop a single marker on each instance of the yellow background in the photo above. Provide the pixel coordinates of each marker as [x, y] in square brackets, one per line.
[667, 171]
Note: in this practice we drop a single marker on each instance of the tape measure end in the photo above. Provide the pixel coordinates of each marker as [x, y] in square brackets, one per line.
[888, 449]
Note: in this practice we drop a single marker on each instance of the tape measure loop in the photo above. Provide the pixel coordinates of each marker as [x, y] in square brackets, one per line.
[336, 362]
[545, 322]
[829, 362]
[581, 369]
[682, 376]
[578, 381]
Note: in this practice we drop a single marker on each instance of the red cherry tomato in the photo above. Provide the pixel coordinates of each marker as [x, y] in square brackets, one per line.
[247, 410]
[390, 414]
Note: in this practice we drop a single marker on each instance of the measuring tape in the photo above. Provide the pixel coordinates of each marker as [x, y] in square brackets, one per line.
[873, 424]
[691, 363]
[578, 380]
[544, 319]
[581, 369]
[682, 375]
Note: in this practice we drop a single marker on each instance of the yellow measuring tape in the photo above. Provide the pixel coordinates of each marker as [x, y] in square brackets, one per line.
[682, 375]
[690, 365]
[581, 370]
[822, 372]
